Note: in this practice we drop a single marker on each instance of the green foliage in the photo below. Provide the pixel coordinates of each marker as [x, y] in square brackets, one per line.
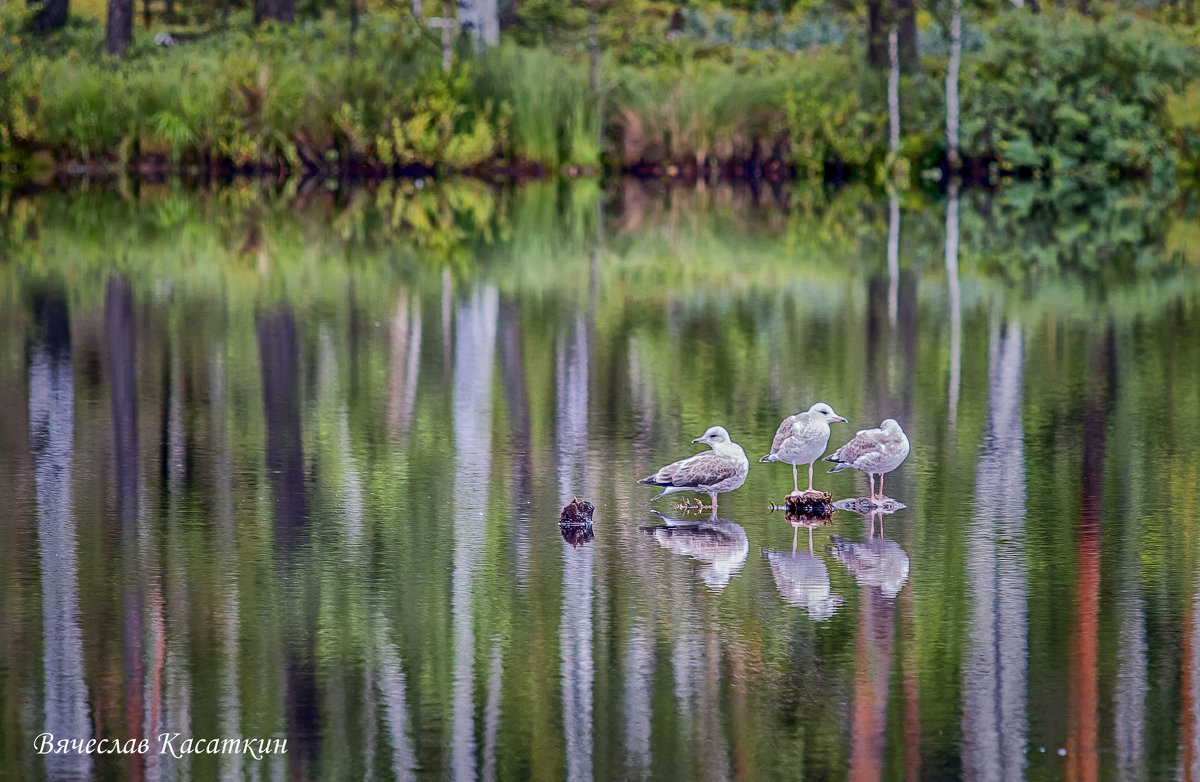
[549, 99]
[830, 120]
[1073, 97]
[1067, 98]
[704, 108]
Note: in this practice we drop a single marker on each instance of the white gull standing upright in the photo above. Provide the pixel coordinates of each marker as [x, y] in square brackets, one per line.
[714, 472]
[875, 452]
[802, 439]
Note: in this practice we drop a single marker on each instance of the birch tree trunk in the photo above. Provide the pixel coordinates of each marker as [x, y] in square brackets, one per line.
[893, 94]
[447, 30]
[594, 50]
[952, 85]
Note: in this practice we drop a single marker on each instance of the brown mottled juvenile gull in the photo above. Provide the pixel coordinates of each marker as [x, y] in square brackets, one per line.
[720, 470]
[802, 438]
[873, 451]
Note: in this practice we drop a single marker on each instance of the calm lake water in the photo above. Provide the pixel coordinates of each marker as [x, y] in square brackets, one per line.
[290, 466]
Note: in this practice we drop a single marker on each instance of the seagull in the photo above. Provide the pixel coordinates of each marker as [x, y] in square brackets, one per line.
[722, 469]
[802, 438]
[873, 451]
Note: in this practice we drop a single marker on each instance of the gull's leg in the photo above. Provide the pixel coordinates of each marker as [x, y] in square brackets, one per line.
[795, 480]
[871, 475]
[810, 470]
[713, 495]
[880, 488]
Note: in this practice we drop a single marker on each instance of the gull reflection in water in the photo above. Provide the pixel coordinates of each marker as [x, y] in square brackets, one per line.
[722, 545]
[801, 577]
[877, 561]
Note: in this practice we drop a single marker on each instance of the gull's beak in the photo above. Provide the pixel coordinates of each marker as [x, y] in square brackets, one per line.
[698, 439]
[839, 418]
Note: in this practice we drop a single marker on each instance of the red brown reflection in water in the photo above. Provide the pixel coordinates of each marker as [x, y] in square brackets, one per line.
[1083, 703]
[872, 663]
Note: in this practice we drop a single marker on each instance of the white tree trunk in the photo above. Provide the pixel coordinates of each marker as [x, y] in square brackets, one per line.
[893, 94]
[952, 84]
[447, 35]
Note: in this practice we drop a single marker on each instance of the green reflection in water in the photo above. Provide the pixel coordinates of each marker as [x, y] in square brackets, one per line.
[291, 465]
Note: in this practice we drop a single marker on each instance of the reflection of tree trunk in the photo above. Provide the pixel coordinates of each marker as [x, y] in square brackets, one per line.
[122, 356]
[227, 623]
[1083, 703]
[52, 445]
[491, 713]
[873, 665]
[1189, 719]
[122, 353]
[571, 441]
[392, 683]
[911, 682]
[512, 367]
[638, 676]
[994, 670]
[474, 359]
[405, 363]
[893, 258]
[279, 358]
[955, 299]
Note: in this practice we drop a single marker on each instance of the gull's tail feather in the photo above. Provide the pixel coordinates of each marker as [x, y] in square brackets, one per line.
[836, 457]
[668, 490]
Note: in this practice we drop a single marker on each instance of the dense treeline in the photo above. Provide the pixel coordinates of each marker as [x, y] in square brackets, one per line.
[648, 88]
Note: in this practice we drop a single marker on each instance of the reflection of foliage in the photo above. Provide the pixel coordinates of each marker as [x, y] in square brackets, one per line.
[548, 240]
[1111, 233]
